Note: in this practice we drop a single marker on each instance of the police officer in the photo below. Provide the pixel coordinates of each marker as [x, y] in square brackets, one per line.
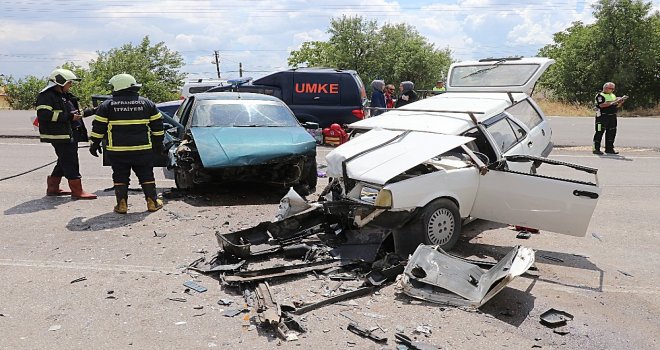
[60, 124]
[606, 108]
[133, 127]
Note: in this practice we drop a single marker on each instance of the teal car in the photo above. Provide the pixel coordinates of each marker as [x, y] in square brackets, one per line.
[240, 137]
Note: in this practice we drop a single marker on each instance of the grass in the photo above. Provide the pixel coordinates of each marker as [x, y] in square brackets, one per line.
[553, 108]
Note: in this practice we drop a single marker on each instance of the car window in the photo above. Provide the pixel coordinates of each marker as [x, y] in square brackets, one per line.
[242, 113]
[506, 133]
[526, 113]
[492, 75]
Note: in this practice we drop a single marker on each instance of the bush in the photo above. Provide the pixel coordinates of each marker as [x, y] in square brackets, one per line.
[22, 93]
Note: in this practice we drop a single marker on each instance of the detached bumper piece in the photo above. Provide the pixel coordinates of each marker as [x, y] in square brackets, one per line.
[435, 276]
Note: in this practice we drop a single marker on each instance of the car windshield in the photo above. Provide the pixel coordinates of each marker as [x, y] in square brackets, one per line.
[242, 113]
[494, 75]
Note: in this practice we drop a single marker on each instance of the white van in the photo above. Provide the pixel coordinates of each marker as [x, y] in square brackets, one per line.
[195, 86]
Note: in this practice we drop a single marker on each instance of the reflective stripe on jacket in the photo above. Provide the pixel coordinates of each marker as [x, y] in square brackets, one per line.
[129, 122]
[54, 117]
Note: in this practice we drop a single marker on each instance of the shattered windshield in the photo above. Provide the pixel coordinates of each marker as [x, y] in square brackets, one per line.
[242, 113]
[495, 75]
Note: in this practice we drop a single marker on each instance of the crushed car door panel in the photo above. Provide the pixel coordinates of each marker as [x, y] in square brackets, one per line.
[557, 205]
[380, 164]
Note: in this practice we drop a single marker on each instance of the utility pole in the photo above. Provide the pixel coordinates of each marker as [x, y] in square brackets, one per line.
[217, 62]
[240, 69]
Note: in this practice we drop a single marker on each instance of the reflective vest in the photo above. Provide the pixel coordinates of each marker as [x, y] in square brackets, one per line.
[602, 98]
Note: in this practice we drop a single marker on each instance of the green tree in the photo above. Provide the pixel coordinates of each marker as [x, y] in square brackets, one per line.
[622, 46]
[153, 66]
[22, 93]
[393, 53]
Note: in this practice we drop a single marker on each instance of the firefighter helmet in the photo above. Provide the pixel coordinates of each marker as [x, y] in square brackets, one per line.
[123, 81]
[62, 76]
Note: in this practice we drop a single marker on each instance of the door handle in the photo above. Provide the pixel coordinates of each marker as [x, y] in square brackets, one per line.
[543, 132]
[591, 195]
[529, 144]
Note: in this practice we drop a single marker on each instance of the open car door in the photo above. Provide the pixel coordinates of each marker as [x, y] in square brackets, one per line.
[538, 201]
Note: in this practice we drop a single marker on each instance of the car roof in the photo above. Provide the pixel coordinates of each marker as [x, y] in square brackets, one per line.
[169, 103]
[448, 113]
[223, 95]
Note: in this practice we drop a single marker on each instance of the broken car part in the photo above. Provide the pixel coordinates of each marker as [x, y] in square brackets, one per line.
[337, 298]
[412, 344]
[194, 286]
[272, 272]
[433, 275]
[555, 318]
[363, 332]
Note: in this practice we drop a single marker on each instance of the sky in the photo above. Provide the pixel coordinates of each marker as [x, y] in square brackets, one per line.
[37, 36]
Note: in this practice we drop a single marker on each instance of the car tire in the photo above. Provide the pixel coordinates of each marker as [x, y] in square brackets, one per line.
[183, 181]
[309, 180]
[439, 223]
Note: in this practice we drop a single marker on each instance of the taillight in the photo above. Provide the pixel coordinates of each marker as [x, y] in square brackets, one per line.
[359, 113]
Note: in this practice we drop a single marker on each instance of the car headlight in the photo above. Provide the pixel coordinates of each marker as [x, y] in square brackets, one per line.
[384, 199]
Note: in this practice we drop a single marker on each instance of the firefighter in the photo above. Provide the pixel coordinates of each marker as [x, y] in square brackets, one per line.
[133, 128]
[60, 124]
[606, 108]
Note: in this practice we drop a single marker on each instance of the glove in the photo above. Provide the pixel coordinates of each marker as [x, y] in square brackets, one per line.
[88, 112]
[95, 148]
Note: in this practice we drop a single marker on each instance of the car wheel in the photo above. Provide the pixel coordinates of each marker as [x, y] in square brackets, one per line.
[183, 180]
[309, 179]
[440, 223]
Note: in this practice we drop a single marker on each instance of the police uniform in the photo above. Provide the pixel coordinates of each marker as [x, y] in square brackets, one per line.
[56, 108]
[133, 129]
[605, 123]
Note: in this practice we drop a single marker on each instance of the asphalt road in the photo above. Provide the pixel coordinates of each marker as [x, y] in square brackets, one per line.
[608, 280]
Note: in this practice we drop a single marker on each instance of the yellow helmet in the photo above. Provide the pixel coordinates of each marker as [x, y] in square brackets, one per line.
[123, 81]
[62, 76]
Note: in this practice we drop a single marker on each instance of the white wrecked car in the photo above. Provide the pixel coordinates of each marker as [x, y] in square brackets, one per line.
[473, 152]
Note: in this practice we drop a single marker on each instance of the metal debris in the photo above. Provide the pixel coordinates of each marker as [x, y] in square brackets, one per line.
[555, 318]
[194, 286]
[83, 278]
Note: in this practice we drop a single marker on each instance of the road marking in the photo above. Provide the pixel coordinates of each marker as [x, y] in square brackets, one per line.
[80, 266]
[604, 157]
[23, 144]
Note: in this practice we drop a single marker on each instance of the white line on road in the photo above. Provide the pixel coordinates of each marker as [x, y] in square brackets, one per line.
[79, 266]
[605, 157]
[23, 144]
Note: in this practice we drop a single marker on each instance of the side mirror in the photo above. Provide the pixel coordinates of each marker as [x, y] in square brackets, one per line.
[310, 125]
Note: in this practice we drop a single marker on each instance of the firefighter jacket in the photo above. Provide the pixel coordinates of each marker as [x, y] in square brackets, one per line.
[55, 112]
[130, 123]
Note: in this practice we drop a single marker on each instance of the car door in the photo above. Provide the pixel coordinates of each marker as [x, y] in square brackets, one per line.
[538, 138]
[548, 203]
[509, 139]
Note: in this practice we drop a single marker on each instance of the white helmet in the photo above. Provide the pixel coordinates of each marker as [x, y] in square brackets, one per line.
[60, 77]
[123, 81]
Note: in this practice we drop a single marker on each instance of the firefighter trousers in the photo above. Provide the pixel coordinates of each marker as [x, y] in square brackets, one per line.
[67, 161]
[605, 124]
[122, 163]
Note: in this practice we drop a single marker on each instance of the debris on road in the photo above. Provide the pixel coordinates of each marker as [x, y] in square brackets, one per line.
[83, 278]
[555, 318]
[366, 333]
[194, 286]
[433, 275]
[412, 344]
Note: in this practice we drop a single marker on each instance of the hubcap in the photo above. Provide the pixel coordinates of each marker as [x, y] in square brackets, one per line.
[440, 227]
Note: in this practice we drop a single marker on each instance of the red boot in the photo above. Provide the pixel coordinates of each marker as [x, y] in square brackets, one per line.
[53, 188]
[77, 191]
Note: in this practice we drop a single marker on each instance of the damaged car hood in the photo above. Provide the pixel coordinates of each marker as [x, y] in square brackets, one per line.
[379, 155]
[241, 146]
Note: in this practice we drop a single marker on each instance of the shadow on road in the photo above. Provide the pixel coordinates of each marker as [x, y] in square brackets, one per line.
[228, 195]
[47, 203]
[105, 221]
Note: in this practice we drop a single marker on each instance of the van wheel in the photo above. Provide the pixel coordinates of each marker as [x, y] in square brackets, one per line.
[439, 224]
[183, 180]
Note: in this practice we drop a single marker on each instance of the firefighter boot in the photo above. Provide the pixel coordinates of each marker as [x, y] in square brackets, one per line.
[54, 189]
[153, 203]
[77, 191]
[121, 193]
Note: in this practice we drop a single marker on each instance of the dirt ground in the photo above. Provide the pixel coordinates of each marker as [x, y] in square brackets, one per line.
[131, 271]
